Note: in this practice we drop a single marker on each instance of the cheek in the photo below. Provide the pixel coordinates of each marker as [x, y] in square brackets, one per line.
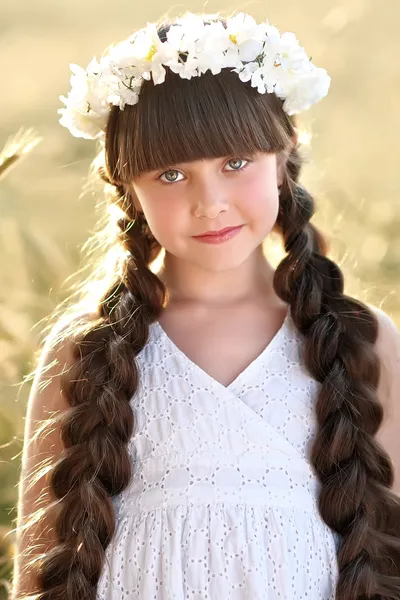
[260, 201]
[164, 217]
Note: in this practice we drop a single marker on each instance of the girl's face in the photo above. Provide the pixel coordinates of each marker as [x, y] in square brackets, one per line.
[191, 198]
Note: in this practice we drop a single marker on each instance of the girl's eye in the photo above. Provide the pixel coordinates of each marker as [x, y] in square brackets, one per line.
[168, 182]
[237, 160]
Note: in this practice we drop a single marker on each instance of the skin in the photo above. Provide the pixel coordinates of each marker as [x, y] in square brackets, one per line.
[210, 195]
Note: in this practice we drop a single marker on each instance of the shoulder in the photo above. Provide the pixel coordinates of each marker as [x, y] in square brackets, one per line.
[56, 355]
[387, 344]
[388, 330]
[61, 333]
[387, 347]
[46, 396]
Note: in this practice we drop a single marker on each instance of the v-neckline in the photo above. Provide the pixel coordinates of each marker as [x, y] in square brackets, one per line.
[211, 381]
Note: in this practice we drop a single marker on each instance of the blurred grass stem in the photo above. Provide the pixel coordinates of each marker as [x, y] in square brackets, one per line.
[16, 148]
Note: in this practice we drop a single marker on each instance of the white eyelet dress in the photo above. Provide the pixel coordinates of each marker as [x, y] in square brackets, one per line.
[223, 500]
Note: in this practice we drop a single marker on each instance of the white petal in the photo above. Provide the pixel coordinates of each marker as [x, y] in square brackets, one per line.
[249, 50]
[158, 72]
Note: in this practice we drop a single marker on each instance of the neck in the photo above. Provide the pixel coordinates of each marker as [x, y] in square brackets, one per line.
[187, 282]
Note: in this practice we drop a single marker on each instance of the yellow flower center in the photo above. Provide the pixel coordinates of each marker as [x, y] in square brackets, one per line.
[151, 52]
[232, 37]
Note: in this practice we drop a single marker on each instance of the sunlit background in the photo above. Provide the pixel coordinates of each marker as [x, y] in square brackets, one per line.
[351, 139]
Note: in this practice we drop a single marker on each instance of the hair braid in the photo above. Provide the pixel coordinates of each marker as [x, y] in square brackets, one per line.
[95, 464]
[355, 472]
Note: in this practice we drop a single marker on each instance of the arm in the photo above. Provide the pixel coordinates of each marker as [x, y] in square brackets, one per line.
[39, 452]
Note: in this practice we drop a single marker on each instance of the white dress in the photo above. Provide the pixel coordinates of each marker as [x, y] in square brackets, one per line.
[223, 500]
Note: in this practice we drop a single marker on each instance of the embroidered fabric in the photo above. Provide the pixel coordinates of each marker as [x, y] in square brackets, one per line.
[223, 499]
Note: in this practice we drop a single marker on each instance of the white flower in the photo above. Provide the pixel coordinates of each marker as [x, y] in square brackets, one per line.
[186, 70]
[246, 71]
[86, 113]
[193, 27]
[175, 35]
[204, 45]
[256, 52]
[123, 96]
[187, 35]
[290, 48]
[212, 46]
[246, 36]
[311, 88]
[81, 124]
[150, 53]
[243, 27]
[232, 44]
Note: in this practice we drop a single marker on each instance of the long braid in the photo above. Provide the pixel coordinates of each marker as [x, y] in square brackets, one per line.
[355, 472]
[95, 465]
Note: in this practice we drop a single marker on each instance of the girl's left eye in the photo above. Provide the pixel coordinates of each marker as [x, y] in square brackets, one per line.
[231, 160]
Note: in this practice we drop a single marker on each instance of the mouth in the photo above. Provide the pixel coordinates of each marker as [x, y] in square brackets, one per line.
[219, 232]
[218, 237]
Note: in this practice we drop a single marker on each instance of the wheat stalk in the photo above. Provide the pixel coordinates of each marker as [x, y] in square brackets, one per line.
[16, 147]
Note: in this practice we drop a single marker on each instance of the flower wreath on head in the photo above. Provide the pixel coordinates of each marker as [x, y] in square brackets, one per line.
[256, 52]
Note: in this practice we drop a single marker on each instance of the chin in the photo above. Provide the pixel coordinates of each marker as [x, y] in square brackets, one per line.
[218, 264]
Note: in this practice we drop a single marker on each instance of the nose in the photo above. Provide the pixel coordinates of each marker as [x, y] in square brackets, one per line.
[209, 199]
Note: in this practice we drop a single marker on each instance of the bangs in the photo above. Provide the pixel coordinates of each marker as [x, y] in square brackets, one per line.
[182, 120]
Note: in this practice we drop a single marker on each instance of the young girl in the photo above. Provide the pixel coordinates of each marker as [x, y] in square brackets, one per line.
[215, 420]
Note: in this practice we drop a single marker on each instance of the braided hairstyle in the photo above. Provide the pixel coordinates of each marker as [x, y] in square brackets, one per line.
[355, 472]
[184, 120]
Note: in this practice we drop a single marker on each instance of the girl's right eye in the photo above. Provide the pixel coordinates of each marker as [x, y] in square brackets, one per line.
[165, 182]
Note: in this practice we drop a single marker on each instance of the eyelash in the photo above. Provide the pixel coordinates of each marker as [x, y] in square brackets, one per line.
[177, 170]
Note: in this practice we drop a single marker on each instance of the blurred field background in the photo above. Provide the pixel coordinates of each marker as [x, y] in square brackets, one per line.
[45, 216]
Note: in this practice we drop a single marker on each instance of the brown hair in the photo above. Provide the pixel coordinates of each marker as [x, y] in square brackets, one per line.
[183, 120]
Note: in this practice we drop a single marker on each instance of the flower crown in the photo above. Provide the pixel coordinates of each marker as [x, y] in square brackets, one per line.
[256, 52]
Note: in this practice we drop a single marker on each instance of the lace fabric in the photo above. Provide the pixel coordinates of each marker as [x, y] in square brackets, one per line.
[223, 499]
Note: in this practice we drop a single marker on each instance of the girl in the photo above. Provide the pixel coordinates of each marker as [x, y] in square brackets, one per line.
[215, 420]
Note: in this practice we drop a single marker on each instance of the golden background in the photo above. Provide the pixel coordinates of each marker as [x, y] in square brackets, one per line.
[353, 168]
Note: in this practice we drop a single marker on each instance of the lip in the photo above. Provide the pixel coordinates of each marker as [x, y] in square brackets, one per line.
[217, 237]
[216, 233]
